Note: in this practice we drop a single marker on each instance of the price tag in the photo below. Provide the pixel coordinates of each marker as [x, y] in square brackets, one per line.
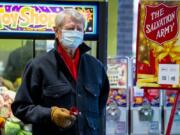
[138, 92]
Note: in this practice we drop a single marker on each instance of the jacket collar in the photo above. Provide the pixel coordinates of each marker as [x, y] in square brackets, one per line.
[83, 47]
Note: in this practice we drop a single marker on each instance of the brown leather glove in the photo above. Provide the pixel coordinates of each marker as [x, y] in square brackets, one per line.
[61, 117]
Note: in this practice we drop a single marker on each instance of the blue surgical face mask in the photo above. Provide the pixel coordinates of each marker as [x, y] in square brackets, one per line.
[71, 38]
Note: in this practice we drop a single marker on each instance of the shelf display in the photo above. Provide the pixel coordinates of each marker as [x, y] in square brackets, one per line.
[117, 96]
[145, 108]
[6, 99]
[117, 72]
[117, 104]
[142, 97]
[9, 125]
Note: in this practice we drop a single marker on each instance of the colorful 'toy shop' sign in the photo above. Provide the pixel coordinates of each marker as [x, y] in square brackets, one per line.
[158, 45]
[39, 18]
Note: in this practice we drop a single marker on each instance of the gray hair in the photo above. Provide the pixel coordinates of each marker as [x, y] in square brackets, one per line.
[74, 14]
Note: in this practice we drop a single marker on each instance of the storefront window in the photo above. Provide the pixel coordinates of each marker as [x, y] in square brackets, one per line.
[14, 54]
[42, 46]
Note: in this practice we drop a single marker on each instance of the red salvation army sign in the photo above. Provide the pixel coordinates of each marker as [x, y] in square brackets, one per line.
[161, 23]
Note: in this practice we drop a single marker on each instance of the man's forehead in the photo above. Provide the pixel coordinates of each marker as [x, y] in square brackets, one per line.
[71, 20]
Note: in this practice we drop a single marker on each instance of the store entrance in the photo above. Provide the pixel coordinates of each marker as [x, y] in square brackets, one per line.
[15, 53]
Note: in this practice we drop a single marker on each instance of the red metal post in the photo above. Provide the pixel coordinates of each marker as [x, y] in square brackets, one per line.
[171, 118]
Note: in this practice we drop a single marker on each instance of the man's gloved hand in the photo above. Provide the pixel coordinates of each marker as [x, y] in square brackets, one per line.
[61, 117]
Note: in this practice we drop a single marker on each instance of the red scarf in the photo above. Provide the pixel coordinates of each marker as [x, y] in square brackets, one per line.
[71, 63]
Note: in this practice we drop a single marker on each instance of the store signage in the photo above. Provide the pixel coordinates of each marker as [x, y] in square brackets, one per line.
[161, 23]
[117, 72]
[158, 45]
[39, 18]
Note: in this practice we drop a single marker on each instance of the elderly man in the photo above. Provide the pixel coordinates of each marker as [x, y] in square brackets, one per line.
[64, 92]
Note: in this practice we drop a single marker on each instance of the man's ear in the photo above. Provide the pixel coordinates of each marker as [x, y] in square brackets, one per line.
[55, 29]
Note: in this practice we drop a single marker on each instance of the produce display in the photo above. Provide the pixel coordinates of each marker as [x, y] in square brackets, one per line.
[9, 124]
[6, 99]
[11, 128]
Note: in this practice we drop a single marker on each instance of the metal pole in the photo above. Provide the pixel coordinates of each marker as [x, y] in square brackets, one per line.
[102, 50]
[171, 118]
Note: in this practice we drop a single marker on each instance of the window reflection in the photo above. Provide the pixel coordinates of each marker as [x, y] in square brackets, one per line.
[14, 54]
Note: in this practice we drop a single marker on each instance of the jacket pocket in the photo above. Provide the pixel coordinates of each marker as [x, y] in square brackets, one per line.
[58, 94]
[57, 90]
[92, 97]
